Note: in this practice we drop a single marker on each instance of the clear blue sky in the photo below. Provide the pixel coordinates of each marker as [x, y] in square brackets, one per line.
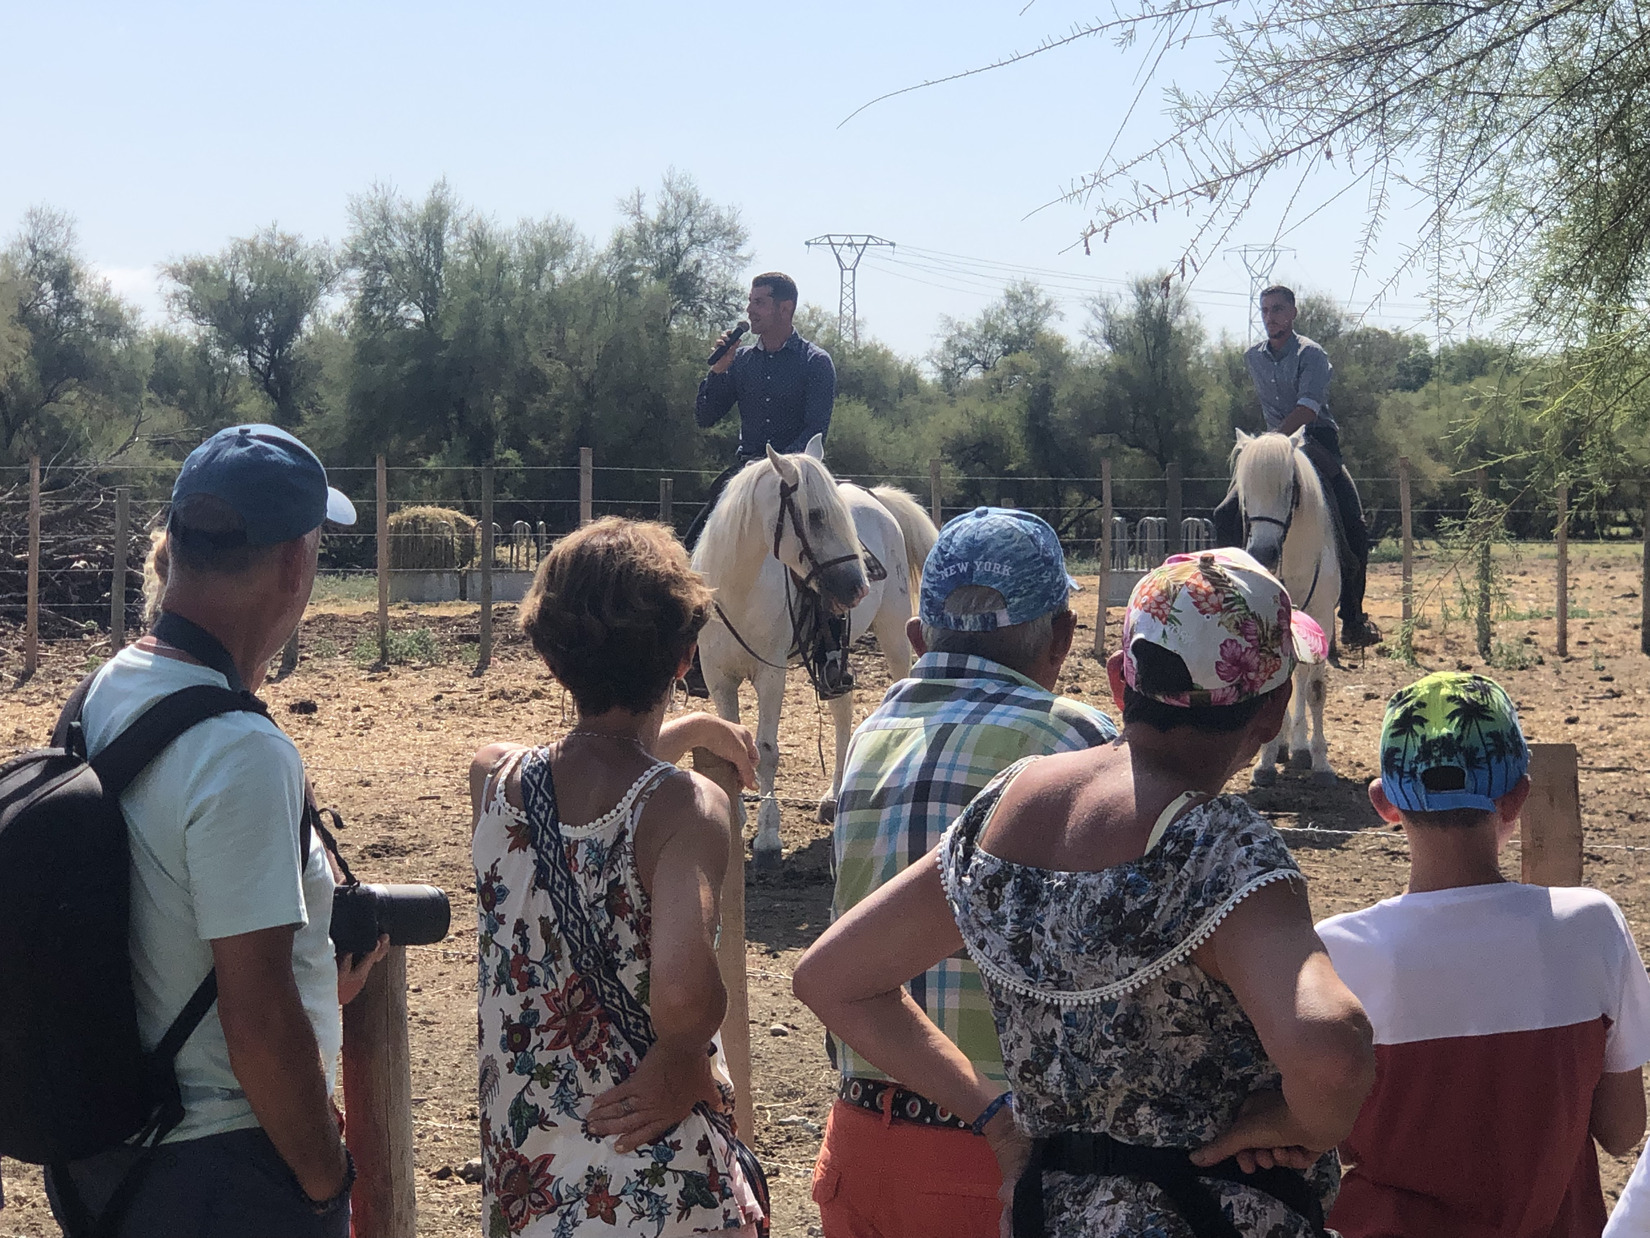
[167, 129]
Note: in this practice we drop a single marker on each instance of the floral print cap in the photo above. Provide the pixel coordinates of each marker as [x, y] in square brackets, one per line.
[1228, 618]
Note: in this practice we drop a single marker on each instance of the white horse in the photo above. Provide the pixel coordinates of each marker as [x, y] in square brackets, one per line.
[1288, 528]
[782, 520]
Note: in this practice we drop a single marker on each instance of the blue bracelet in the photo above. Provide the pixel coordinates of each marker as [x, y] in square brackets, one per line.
[990, 1112]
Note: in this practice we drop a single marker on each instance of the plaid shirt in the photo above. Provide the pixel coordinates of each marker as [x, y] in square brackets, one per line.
[912, 766]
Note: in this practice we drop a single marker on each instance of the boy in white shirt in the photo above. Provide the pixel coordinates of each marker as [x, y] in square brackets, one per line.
[1511, 1021]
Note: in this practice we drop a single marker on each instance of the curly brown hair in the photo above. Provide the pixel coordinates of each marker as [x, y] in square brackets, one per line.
[613, 611]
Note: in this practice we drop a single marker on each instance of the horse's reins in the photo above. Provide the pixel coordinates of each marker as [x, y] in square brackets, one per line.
[1294, 505]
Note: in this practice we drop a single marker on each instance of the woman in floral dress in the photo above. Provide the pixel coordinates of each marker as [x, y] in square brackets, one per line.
[1182, 1056]
[605, 1104]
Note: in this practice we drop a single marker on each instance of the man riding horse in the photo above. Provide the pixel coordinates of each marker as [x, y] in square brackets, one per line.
[784, 386]
[1291, 375]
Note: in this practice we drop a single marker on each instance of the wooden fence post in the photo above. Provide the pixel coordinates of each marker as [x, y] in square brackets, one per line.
[1173, 506]
[1561, 534]
[1103, 588]
[1408, 531]
[378, 1103]
[667, 487]
[484, 653]
[587, 486]
[1550, 827]
[117, 578]
[1644, 589]
[1483, 533]
[383, 562]
[730, 951]
[31, 631]
[934, 492]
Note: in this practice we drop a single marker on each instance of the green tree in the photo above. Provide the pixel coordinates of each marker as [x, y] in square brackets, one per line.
[1149, 390]
[253, 302]
[690, 246]
[1009, 325]
[72, 377]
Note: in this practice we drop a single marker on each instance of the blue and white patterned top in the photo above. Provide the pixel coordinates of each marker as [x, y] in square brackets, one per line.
[1107, 1024]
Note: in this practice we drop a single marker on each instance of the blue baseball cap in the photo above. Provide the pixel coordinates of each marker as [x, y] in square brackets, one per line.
[1001, 548]
[271, 480]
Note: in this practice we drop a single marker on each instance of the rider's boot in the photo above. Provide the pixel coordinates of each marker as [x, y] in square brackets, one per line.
[695, 679]
[1360, 633]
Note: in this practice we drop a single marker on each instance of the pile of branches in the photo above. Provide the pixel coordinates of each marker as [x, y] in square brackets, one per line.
[77, 555]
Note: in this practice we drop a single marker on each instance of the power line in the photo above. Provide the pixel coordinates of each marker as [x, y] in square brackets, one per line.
[848, 248]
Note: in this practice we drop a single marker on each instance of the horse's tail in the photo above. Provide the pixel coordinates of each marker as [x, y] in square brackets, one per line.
[914, 526]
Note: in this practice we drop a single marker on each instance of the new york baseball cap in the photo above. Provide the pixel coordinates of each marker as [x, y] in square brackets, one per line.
[1451, 740]
[270, 479]
[1002, 548]
[1230, 621]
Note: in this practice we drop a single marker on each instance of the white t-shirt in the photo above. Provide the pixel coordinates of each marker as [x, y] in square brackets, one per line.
[1497, 1009]
[213, 832]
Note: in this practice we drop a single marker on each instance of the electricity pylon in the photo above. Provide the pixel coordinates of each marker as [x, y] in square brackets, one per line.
[1258, 260]
[848, 248]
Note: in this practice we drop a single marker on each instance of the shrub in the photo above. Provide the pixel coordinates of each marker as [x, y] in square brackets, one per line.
[419, 645]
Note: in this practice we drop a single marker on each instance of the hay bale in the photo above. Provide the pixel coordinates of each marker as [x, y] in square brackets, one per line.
[432, 539]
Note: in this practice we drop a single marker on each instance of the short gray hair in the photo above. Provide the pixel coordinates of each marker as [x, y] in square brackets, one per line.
[1019, 646]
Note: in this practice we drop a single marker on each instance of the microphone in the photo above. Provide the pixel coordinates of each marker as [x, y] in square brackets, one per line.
[739, 328]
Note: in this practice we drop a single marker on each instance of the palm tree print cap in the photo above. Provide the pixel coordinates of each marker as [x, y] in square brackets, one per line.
[1451, 740]
[1228, 618]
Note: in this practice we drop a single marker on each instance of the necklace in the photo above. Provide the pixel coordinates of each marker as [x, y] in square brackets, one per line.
[631, 739]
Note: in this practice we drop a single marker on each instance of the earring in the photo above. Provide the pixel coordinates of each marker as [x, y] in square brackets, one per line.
[678, 690]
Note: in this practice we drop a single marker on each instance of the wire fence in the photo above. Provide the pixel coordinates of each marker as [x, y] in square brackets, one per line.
[1150, 516]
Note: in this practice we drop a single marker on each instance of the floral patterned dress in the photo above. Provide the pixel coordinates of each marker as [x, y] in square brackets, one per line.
[547, 1048]
[1106, 1024]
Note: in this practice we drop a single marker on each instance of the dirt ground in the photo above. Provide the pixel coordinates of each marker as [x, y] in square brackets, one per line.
[390, 749]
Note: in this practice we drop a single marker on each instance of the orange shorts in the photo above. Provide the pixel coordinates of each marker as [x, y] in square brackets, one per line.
[881, 1179]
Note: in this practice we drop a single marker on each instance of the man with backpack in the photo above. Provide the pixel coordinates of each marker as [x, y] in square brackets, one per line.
[227, 883]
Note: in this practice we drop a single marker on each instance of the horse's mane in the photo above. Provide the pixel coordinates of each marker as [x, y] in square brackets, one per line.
[1269, 460]
[740, 511]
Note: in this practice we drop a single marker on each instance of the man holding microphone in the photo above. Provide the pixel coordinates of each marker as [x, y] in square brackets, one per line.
[784, 386]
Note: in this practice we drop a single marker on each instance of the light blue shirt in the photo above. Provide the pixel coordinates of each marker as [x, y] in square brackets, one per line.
[1298, 375]
[213, 826]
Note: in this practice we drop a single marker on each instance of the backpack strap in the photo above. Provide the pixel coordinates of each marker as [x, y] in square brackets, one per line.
[66, 731]
[129, 753]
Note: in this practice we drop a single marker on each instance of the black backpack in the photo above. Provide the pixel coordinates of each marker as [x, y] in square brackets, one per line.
[74, 1078]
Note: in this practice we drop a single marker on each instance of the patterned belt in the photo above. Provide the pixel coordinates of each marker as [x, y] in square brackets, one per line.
[906, 1106]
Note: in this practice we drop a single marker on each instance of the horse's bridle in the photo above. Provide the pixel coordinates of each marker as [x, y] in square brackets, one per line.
[1294, 506]
[787, 504]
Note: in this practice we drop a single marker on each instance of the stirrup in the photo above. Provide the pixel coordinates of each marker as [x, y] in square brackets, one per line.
[834, 678]
[1360, 634]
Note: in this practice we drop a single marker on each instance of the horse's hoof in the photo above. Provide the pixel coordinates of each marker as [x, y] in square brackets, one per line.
[1300, 759]
[765, 860]
[1324, 778]
[827, 810]
[1264, 776]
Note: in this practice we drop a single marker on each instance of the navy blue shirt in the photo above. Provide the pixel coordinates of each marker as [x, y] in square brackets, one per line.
[784, 397]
